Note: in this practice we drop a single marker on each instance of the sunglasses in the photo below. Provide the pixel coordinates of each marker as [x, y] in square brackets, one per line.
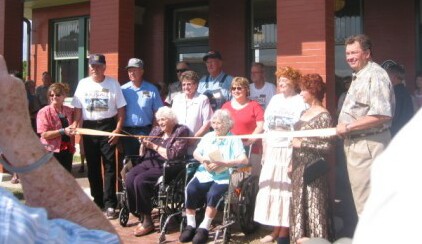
[181, 70]
[55, 95]
[239, 88]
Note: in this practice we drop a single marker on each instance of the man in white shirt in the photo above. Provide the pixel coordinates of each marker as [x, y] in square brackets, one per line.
[260, 90]
[100, 103]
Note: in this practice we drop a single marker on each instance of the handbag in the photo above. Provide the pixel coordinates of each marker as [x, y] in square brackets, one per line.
[315, 169]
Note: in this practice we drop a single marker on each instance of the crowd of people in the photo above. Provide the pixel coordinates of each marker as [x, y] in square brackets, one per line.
[375, 108]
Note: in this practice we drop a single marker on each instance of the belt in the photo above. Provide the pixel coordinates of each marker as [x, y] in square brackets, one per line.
[100, 121]
[359, 135]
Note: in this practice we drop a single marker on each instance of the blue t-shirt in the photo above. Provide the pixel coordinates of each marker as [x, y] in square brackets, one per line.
[217, 89]
[142, 103]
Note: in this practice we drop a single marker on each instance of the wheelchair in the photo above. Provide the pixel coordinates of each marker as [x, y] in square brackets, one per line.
[169, 192]
[237, 204]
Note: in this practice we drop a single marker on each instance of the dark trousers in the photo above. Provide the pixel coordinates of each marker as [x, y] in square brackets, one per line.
[65, 158]
[98, 149]
[197, 193]
[131, 144]
[140, 181]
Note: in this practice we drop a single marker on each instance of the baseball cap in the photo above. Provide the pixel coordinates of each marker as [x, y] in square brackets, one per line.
[135, 63]
[97, 59]
[212, 54]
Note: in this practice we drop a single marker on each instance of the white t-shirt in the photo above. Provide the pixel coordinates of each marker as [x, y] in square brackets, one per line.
[281, 114]
[98, 100]
[263, 95]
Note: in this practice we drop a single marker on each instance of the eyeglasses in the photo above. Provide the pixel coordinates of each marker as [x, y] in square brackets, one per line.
[239, 88]
[181, 70]
[55, 95]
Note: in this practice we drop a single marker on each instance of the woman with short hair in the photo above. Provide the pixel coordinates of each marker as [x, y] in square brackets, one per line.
[211, 179]
[166, 142]
[55, 124]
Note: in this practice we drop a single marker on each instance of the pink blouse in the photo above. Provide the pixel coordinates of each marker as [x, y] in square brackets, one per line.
[48, 120]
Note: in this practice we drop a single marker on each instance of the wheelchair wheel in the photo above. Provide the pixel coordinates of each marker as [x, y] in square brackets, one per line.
[246, 206]
[123, 216]
[163, 218]
[226, 235]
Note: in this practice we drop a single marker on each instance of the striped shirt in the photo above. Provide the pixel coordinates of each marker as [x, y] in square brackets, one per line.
[23, 224]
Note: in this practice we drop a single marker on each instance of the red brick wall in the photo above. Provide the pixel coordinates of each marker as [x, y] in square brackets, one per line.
[40, 50]
[113, 33]
[393, 33]
[11, 20]
[305, 39]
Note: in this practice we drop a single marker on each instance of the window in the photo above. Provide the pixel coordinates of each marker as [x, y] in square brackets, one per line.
[191, 23]
[69, 51]
[264, 35]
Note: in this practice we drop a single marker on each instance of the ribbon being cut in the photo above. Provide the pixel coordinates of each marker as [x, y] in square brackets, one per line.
[326, 132]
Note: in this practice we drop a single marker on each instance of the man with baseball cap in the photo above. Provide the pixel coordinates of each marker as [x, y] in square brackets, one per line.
[216, 85]
[99, 101]
[143, 100]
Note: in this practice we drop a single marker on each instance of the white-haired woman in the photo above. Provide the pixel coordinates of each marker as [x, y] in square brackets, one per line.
[164, 144]
[211, 179]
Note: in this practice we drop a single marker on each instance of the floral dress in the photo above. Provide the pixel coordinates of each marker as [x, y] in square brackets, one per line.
[310, 214]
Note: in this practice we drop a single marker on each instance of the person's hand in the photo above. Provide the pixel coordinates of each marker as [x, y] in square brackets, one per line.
[341, 130]
[213, 166]
[296, 143]
[149, 144]
[70, 131]
[112, 140]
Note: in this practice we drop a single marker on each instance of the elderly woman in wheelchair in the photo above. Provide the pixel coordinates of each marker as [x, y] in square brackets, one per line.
[163, 144]
[211, 179]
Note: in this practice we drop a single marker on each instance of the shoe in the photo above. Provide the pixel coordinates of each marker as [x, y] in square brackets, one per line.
[187, 234]
[140, 230]
[201, 236]
[267, 239]
[111, 213]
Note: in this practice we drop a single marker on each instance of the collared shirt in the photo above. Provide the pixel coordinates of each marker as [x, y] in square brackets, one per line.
[48, 120]
[23, 224]
[230, 148]
[217, 90]
[98, 100]
[371, 93]
[142, 103]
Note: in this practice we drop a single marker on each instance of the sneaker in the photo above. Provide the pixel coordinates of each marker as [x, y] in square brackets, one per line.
[187, 234]
[201, 236]
[111, 213]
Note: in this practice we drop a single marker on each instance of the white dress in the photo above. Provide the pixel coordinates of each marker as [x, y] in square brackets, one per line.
[273, 198]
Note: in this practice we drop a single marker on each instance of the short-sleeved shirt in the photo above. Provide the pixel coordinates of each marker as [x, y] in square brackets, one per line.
[23, 224]
[217, 89]
[263, 95]
[371, 93]
[281, 114]
[231, 148]
[142, 103]
[98, 100]
[192, 112]
[48, 120]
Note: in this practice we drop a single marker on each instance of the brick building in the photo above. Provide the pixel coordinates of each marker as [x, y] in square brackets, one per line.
[305, 34]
